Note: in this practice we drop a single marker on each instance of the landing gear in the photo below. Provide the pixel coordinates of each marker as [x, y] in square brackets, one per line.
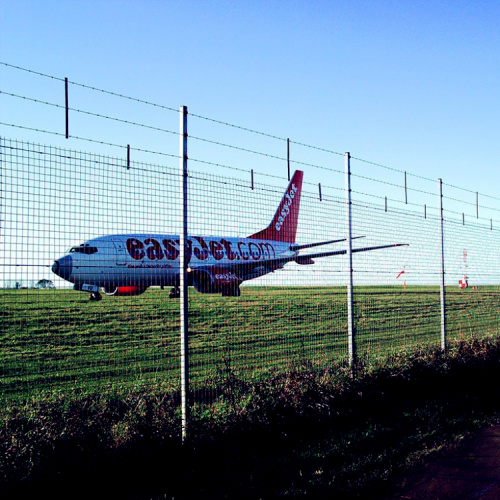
[175, 293]
[92, 289]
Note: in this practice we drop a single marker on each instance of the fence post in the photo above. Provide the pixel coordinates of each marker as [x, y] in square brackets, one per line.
[183, 279]
[406, 191]
[442, 283]
[351, 341]
[288, 157]
[66, 105]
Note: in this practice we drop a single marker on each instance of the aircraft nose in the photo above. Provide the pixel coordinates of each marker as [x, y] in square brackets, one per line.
[63, 267]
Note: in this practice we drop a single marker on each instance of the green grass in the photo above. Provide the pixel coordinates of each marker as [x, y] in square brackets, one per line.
[89, 391]
[57, 341]
[300, 432]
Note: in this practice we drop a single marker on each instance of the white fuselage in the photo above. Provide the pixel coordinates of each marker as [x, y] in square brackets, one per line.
[153, 259]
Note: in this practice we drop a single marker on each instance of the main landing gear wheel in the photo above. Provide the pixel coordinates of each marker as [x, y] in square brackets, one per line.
[95, 296]
[175, 293]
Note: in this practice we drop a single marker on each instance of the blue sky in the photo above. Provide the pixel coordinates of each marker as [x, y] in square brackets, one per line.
[412, 85]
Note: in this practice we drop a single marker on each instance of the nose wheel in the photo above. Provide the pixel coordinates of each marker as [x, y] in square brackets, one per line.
[95, 296]
[175, 293]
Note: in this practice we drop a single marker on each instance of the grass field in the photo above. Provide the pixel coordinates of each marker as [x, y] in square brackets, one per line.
[57, 341]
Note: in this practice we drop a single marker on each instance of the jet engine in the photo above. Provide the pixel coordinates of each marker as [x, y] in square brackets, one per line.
[217, 281]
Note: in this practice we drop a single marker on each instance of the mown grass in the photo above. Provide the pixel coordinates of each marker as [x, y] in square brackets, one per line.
[90, 391]
[58, 341]
[298, 432]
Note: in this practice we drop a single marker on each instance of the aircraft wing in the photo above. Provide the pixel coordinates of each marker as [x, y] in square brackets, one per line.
[278, 262]
[307, 259]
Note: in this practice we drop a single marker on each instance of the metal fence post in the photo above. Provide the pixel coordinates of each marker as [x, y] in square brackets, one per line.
[351, 341]
[183, 284]
[288, 157]
[66, 105]
[442, 283]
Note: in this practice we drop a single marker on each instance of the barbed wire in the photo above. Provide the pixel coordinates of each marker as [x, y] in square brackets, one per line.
[89, 87]
[472, 192]
[469, 203]
[220, 165]
[13, 66]
[158, 129]
[161, 106]
[89, 113]
[220, 122]
[317, 148]
[95, 141]
[387, 202]
[222, 144]
[393, 169]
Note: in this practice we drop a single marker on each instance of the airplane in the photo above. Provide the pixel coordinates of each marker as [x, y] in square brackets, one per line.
[127, 264]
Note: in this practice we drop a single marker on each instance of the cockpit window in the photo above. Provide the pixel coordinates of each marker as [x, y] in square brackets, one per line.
[86, 249]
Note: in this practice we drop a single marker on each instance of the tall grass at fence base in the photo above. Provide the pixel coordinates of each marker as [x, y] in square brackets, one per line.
[297, 431]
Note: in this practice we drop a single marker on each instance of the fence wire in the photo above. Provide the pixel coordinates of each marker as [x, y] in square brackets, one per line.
[119, 199]
[55, 340]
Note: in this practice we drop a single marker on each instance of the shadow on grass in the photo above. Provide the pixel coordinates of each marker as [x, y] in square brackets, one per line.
[302, 432]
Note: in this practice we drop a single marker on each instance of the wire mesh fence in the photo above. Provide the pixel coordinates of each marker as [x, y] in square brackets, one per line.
[56, 339]
[105, 225]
